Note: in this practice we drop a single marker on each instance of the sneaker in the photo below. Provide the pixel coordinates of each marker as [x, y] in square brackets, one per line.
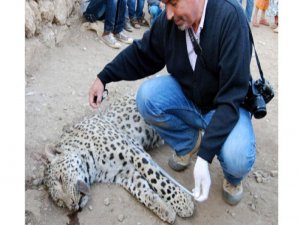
[128, 26]
[110, 40]
[232, 194]
[123, 38]
[179, 163]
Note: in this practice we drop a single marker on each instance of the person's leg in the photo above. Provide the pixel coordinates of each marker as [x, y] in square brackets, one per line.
[163, 104]
[131, 8]
[139, 8]
[94, 10]
[263, 20]
[109, 24]
[120, 23]
[254, 20]
[140, 15]
[237, 157]
[127, 26]
[120, 16]
[238, 153]
[249, 9]
[132, 15]
[110, 16]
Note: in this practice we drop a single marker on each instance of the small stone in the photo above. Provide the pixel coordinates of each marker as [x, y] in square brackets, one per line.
[259, 179]
[138, 223]
[121, 217]
[106, 202]
[90, 207]
[84, 48]
[274, 173]
[253, 207]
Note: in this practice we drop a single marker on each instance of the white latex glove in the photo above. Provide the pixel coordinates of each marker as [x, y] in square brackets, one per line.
[202, 180]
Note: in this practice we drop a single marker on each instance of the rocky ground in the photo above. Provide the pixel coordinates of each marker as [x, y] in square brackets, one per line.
[57, 85]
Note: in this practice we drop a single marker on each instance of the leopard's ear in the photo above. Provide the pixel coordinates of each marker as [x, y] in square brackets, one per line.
[51, 152]
[83, 187]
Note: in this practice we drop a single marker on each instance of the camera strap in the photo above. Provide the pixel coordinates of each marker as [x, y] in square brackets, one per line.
[256, 56]
[196, 46]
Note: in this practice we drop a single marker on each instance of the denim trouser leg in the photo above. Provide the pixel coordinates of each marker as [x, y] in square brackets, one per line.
[139, 8]
[110, 15]
[163, 104]
[249, 10]
[120, 17]
[92, 12]
[131, 8]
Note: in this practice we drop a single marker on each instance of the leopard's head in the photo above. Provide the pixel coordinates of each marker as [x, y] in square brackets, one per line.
[64, 177]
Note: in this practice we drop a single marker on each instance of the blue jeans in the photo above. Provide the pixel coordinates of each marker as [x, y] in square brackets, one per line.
[114, 14]
[249, 9]
[135, 12]
[95, 10]
[177, 119]
[154, 12]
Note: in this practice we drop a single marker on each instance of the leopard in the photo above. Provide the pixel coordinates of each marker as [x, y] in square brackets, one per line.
[112, 147]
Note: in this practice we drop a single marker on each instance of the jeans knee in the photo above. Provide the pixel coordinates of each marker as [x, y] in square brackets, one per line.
[238, 164]
[145, 103]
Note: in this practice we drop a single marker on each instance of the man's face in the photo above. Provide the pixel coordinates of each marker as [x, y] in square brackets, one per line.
[184, 13]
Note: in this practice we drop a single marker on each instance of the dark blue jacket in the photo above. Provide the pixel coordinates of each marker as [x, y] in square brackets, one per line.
[222, 85]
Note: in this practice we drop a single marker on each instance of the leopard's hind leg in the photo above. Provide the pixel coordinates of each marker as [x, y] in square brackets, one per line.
[140, 188]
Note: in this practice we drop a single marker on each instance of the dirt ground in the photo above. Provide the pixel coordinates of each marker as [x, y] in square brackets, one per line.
[57, 85]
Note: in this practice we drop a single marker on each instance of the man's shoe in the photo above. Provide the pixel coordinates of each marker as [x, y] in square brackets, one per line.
[123, 38]
[128, 26]
[179, 163]
[110, 41]
[134, 23]
[232, 194]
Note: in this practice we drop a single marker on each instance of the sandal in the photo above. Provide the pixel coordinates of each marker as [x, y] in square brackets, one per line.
[264, 22]
[143, 22]
[135, 23]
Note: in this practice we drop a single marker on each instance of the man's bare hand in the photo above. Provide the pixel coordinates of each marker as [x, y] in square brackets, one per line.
[95, 94]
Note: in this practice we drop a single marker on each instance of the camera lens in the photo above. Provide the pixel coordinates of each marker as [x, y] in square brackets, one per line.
[260, 113]
[259, 107]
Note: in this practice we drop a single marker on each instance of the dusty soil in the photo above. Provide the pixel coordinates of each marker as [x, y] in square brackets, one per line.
[57, 84]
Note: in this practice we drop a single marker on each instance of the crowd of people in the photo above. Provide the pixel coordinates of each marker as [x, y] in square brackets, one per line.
[120, 15]
[269, 7]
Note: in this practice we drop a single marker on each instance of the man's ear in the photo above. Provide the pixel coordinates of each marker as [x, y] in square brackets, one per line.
[83, 187]
[51, 152]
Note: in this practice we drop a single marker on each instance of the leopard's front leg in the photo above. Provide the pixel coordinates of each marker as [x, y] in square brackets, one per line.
[181, 202]
[139, 187]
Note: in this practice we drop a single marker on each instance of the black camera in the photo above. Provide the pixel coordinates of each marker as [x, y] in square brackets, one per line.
[260, 92]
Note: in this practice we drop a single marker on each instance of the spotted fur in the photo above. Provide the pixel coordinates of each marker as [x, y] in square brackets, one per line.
[109, 148]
